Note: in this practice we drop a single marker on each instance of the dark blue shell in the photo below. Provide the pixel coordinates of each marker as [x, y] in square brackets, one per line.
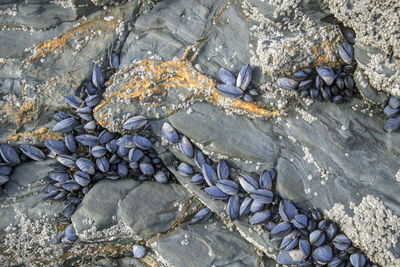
[97, 77]
[260, 217]
[169, 133]
[226, 76]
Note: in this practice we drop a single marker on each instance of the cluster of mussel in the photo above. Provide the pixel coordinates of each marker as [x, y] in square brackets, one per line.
[306, 238]
[9, 158]
[325, 83]
[237, 87]
[90, 153]
[392, 111]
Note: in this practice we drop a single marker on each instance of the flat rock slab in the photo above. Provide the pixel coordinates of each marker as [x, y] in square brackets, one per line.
[209, 244]
[24, 194]
[145, 208]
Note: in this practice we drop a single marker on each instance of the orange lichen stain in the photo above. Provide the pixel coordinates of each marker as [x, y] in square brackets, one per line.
[41, 134]
[158, 76]
[50, 46]
[219, 13]
[322, 56]
[250, 107]
[150, 261]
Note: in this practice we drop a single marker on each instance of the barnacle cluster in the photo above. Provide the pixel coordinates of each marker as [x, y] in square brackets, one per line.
[325, 83]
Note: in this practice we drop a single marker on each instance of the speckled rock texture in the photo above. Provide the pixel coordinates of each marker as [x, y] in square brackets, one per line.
[377, 49]
[334, 157]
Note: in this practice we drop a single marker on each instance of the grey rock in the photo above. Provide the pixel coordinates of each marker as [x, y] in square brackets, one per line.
[247, 139]
[23, 194]
[146, 208]
[366, 90]
[205, 245]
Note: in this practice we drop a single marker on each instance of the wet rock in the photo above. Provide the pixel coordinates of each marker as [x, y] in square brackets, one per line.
[205, 245]
[131, 203]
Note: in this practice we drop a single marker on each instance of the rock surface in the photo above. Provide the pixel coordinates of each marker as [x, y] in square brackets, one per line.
[333, 157]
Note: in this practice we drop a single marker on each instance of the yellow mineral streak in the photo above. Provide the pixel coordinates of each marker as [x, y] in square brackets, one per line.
[323, 55]
[157, 79]
[41, 134]
[50, 46]
[150, 261]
